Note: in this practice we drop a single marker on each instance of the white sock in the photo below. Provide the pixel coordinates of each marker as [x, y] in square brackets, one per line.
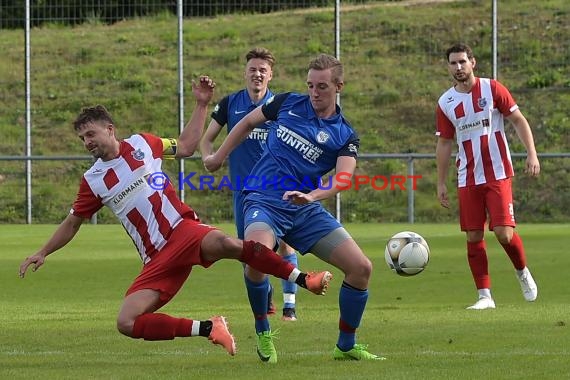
[293, 275]
[289, 298]
[484, 293]
[195, 328]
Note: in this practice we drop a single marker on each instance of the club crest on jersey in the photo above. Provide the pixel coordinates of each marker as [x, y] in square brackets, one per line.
[138, 155]
[322, 137]
[482, 102]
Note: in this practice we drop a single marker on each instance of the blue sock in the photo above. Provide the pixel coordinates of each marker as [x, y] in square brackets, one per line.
[290, 287]
[352, 302]
[257, 294]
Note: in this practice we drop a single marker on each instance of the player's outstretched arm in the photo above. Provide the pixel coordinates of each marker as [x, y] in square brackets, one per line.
[207, 141]
[238, 133]
[189, 139]
[63, 235]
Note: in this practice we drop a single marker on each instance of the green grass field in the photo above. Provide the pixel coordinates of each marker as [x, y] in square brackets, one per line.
[59, 322]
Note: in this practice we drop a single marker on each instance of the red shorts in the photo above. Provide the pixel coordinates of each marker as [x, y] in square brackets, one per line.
[493, 198]
[171, 266]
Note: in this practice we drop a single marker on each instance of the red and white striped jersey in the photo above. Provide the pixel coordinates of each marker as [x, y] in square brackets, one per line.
[477, 121]
[125, 184]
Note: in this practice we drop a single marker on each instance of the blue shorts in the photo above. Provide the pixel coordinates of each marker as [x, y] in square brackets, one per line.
[299, 226]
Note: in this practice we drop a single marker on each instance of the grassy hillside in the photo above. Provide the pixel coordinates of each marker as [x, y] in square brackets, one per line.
[394, 74]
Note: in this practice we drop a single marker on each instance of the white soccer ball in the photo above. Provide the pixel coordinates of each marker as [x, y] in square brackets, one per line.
[407, 253]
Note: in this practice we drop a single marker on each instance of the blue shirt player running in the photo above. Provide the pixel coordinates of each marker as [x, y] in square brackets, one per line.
[310, 138]
[229, 111]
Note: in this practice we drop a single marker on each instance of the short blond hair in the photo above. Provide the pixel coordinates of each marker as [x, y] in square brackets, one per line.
[325, 62]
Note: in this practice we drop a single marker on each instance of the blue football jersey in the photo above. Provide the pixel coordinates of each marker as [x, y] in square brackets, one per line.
[229, 112]
[301, 147]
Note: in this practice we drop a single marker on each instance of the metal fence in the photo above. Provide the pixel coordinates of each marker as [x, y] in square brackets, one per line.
[72, 12]
[405, 194]
[76, 72]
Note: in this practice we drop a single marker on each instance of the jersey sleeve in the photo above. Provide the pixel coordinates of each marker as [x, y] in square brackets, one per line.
[271, 108]
[503, 99]
[220, 112]
[351, 147]
[444, 126]
[86, 203]
[161, 147]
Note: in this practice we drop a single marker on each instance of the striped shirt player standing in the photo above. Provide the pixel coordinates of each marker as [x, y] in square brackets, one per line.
[473, 112]
[310, 138]
[127, 178]
[229, 111]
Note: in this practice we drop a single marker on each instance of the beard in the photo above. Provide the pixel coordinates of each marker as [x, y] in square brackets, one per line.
[460, 77]
[96, 152]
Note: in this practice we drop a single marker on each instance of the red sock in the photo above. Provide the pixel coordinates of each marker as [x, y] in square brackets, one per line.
[157, 326]
[515, 250]
[477, 257]
[263, 259]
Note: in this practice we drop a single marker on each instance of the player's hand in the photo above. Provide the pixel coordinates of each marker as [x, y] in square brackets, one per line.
[37, 260]
[532, 166]
[442, 195]
[297, 197]
[212, 163]
[203, 89]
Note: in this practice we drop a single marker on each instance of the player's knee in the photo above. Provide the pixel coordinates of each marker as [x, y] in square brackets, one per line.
[475, 236]
[358, 274]
[362, 269]
[228, 247]
[125, 326]
[231, 244]
[504, 238]
[366, 268]
[504, 235]
[217, 245]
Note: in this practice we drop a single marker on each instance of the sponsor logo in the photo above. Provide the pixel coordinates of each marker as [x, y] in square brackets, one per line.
[293, 114]
[258, 134]
[471, 126]
[309, 151]
[133, 188]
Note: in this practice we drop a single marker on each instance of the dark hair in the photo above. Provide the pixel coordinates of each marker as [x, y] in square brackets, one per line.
[459, 48]
[261, 53]
[92, 115]
[324, 62]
